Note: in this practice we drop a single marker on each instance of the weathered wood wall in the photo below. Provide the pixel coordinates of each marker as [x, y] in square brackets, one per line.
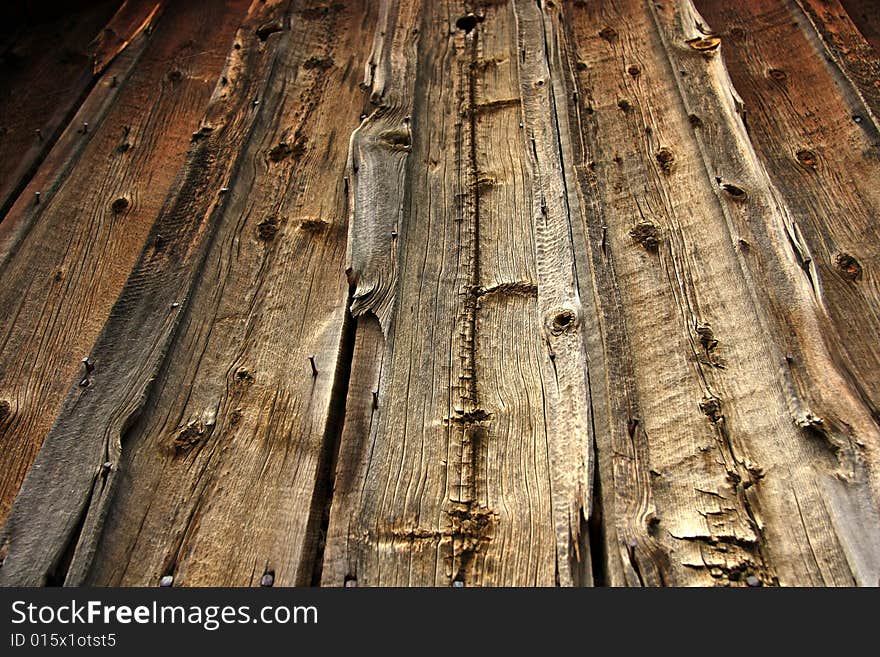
[440, 293]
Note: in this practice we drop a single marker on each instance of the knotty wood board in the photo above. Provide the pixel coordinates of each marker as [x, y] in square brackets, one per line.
[457, 294]
[229, 469]
[61, 282]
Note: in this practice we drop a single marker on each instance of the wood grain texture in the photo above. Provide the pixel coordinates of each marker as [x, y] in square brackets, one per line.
[820, 151]
[61, 505]
[865, 14]
[132, 18]
[69, 256]
[454, 293]
[221, 473]
[463, 443]
[828, 473]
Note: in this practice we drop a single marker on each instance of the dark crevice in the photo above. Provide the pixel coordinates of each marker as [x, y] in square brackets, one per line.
[595, 524]
[58, 574]
[468, 434]
[312, 565]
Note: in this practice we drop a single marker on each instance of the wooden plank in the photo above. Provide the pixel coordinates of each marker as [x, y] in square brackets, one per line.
[65, 153]
[856, 61]
[465, 453]
[818, 150]
[673, 481]
[808, 514]
[90, 242]
[605, 312]
[224, 474]
[45, 72]
[684, 394]
[132, 18]
[555, 209]
[65, 259]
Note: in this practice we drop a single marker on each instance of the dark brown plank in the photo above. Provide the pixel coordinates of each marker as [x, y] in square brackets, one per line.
[45, 72]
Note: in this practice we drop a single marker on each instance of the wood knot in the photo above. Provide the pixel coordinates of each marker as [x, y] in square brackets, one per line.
[665, 158]
[267, 29]
[397, 138]
[807, 158]
[609, 34]
[777, 74]
[321, 63]
[5, 410]
[561, 320]
[283, 150]
[268, 228]
[468, 22]
[191, 435]
[119, 205]
[634, 71]
[736, 193]
[704, 44]
[848, 266]
[243, 375]
[711, 408]
[581, 66]
[201, 133]
[175, 76]
[623, 104]
[646, 234]
[695, 120]
[707, 336]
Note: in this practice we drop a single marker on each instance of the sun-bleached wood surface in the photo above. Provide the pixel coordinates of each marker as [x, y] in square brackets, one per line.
[449, 293]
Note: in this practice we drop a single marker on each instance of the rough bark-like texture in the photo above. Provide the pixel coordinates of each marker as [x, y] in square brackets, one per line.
[450, 293]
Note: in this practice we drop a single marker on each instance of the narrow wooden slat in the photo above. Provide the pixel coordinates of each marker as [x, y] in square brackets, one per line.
[828, 23]
[132, 18]
[222, 475]
[52, 527]
[690, 377]
[673, 477]
[45, 71]
[554, 210]
[66, 152]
